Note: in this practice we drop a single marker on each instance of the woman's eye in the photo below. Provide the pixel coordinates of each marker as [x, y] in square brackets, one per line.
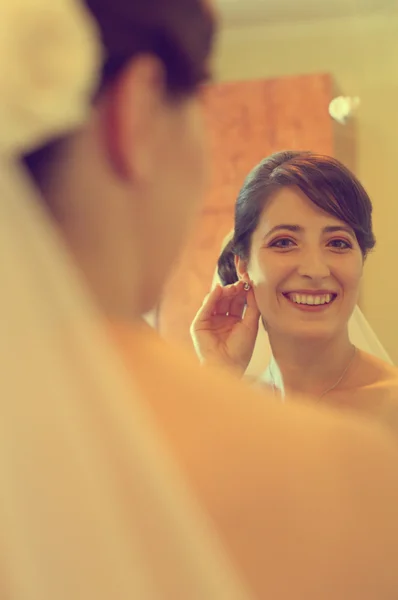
[283, 243]
[340, 244]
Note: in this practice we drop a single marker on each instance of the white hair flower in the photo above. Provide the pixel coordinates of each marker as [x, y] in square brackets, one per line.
[50, 57]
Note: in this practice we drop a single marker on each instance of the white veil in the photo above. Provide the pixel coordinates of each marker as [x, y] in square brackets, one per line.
[91, 506]
[361, 334]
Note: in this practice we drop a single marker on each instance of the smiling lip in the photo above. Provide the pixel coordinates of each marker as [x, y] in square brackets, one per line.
[310, 300]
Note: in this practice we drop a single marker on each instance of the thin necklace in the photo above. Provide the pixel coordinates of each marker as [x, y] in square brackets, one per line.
[329, 389]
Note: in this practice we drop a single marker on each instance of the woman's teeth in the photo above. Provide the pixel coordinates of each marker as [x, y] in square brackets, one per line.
[310, 299]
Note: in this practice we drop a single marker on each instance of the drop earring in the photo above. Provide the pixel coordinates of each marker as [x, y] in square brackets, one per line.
[246, 287]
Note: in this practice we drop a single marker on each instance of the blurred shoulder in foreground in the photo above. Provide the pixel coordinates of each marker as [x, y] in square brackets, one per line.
[305, 500]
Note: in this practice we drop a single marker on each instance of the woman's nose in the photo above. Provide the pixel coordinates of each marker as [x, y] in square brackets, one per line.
[313, 265]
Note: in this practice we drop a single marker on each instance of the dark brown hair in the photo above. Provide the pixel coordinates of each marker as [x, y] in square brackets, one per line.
[178, 32]
[324, 180]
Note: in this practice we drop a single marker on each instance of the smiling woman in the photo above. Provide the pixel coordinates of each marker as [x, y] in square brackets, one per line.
[303, 229]
[299, 264]
[309, 298]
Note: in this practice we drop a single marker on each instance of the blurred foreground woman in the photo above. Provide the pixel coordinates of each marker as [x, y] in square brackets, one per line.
[153, 481]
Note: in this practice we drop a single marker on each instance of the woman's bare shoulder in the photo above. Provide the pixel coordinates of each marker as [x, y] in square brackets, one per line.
[181, 391]
[374, 370]
[374, 390]
[274, 476]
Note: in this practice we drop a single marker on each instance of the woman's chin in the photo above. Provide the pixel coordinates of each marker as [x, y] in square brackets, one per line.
[316, 332]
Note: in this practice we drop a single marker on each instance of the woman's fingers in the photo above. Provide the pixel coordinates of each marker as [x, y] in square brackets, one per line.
[238, 301]
[252, 313]
[231, 300]
[224, 302]
[208, 307]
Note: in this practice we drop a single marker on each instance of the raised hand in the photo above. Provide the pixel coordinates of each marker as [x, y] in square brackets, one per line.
[225, 328]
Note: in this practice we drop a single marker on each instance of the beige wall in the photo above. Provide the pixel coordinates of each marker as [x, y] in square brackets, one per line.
[362, 55]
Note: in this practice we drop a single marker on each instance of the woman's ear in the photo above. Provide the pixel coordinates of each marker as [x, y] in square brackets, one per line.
[135, 113]
[241, 268]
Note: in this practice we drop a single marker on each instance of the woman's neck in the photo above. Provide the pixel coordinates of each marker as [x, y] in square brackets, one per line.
[309, 366]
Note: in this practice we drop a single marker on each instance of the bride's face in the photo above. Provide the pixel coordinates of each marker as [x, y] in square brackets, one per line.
[306, 268]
